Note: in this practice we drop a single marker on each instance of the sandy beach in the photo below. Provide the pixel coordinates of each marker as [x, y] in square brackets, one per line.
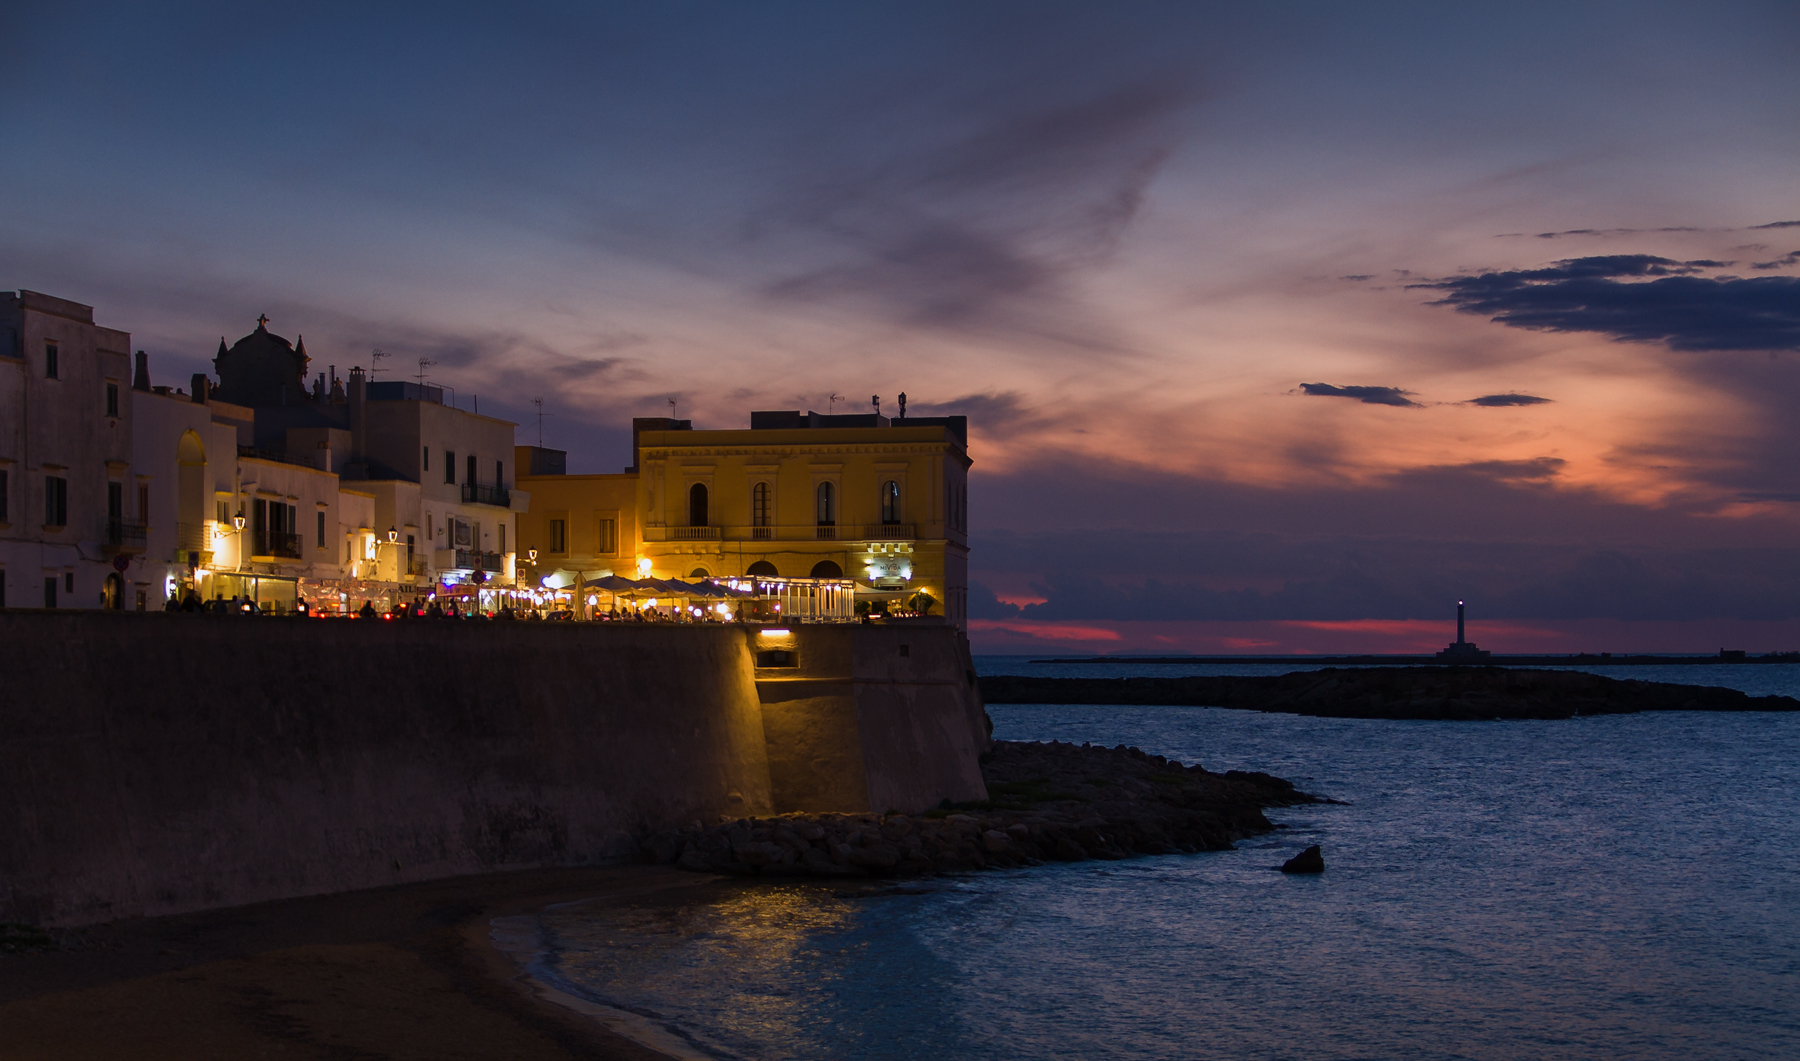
[408, 972]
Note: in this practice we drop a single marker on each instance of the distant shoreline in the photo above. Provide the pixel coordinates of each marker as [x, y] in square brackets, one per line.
[1583, 659]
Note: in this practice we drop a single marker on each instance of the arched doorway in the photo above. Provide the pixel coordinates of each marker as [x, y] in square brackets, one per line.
[699, 572]
[827, 569]
[762, 569]
[115, 592]
[697, 505]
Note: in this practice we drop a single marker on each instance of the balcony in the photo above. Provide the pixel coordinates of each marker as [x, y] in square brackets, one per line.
[849, 532]
[475, 560]
[475, 494]
[126, 535]
[284, 546]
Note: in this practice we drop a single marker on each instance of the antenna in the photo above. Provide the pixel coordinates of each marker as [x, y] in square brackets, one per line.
[902, 405]
[875, 400]
[834, 399]
[424, 363]
[375, 361]
[671, 408]
[539, 402]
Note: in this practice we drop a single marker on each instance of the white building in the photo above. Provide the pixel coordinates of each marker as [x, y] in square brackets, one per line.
[68, 508]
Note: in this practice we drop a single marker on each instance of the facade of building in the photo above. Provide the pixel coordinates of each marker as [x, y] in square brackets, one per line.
[68, 504]
[876, 502]
[441, 478]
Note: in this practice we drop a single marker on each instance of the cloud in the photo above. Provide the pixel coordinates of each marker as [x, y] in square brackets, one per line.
[1611, 295]
[1496, 401]
[983, 233]
[1779, 263]
[1779, 224]
[1366, 395]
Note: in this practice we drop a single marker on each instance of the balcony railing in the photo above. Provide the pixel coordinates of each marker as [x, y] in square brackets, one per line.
[286, 546]
[474, 560]
[877, 532]
[126, 535]
[476, 494]
[277, 455]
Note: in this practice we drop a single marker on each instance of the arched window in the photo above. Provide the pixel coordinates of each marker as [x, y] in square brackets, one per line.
[890, 502]
[697, 505]
[827, 569]
[827, 506]
[699, 572]
[760, 515]
[762, 569]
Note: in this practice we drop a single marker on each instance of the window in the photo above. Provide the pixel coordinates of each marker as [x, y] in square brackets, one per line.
[558, 536]
[759, 506]
[2, 587]
[762, 569]
[471, 479]
[697, 505]
[827, 506]
[68, 582]
[450, 466]
[425, 459]
[410, 545]
[890, 502]
[827, 569]
[115, 503]
[3, 495]
[50, 591]
[502, 538]
[319, 520]
[500, 478]
[50, 372]
[224, 512]
[112, 400]
[143, 509]
[56, 501]
[609, 537]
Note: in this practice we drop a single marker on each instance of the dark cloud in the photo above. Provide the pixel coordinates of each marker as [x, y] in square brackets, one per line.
[983, 233]
[1782, 262]
[1535, 469]
[1613, 295]
[1495, 401]
[1366, 395]
[1358, 276]
[1618, 231]
[1335, 578]
[1779, 224]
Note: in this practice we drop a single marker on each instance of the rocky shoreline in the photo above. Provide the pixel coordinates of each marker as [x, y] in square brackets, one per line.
[1047, 802]
[1442, 693]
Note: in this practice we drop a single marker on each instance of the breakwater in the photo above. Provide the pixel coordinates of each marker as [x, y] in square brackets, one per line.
[1448, 693]
[159, 763]
[1047, 802]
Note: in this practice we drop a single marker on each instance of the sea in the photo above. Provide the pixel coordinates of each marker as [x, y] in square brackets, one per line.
[1623, 886]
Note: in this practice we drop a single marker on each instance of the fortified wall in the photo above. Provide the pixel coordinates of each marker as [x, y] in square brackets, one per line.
[152, 764]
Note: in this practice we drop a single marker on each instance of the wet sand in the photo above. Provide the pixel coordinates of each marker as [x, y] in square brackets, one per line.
[408, 972]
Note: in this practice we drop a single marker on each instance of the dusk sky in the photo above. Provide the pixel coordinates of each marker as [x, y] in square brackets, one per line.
[1280, 327]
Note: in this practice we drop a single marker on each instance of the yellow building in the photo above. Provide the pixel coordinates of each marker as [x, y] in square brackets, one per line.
[878, 502]
[578, 525]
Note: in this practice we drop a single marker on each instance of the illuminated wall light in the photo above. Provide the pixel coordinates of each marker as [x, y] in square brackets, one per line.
[772, 633]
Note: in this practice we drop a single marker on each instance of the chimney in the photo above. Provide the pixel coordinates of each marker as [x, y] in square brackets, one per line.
[201, 385]
[358, 440]
[140, 379]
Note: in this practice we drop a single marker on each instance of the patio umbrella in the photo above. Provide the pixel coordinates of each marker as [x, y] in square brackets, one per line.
[613, 584]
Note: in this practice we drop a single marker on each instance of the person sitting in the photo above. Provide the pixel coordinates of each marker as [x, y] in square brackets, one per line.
[367, 611]
[434, 610]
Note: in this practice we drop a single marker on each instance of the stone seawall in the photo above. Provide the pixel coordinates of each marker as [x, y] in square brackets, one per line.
[153, 764]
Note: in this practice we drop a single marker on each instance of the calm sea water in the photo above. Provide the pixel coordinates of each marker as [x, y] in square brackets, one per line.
[1623, 886]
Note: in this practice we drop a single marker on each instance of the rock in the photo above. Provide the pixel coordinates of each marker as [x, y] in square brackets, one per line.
[759, 853]
[995, 840]
[1307, 861]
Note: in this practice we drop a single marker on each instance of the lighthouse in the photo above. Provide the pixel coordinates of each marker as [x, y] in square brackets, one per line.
[1462, 649]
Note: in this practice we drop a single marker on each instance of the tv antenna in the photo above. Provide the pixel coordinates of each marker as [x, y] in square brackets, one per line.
[375, 358]
[539, 402]
[832, 401]
[671, 408]
[424, 363]
[875, 400]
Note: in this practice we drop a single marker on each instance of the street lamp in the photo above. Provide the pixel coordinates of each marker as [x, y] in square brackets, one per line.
[237, 522]
[532, 553]
[393, 534]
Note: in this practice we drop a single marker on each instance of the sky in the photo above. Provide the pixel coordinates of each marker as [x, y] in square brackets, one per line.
[1280, 327]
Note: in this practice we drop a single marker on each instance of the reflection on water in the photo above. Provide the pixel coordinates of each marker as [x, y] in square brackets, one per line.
[1622, 886]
